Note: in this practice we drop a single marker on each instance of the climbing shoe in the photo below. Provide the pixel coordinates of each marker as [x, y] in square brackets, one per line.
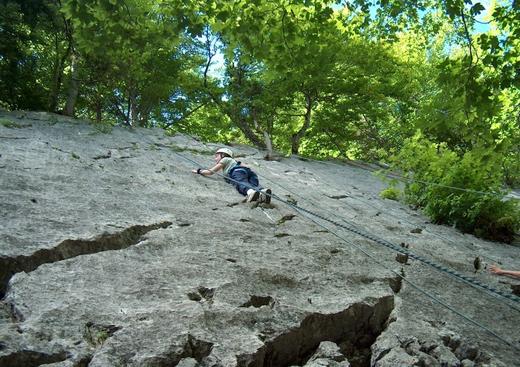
[252, 195]
[266, 196]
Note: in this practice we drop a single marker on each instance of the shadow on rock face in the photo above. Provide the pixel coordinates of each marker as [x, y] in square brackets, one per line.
[354, 330]
[29, 358]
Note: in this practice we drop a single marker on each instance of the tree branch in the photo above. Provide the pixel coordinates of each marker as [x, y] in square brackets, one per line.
[186, 115]
[468, 37]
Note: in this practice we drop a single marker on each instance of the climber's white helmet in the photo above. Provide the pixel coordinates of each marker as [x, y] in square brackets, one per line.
[227, 151]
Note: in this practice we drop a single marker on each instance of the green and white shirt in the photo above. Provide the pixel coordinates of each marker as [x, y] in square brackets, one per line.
[227, 164]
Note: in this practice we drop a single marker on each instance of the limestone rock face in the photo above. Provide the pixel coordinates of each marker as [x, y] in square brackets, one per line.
[112, 253]
[328, 354]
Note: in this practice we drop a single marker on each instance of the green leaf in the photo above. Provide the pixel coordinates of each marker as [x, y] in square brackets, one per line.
[477, 9]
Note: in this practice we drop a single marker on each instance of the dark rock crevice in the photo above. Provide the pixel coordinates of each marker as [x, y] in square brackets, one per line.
[29, 358]
[14, 314]
[191, 348]
[83, 361]
[71, 248]
[354, 330]
[202, 293]
[97, 334]
[396, 284]
[6, 313]
[259, 301]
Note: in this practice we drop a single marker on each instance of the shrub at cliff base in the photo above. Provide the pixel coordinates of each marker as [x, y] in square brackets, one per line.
[435, 172]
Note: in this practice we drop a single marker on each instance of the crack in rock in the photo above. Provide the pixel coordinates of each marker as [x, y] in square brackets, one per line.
[202, 293]
[83, 361]
[259, 301]
[354, 330]
[71, 248]
[29, 358]
[206, 293]
[191, 348]
[396, 283]
[97, 334]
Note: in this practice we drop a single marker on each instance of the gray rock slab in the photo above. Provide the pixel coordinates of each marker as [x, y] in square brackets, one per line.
[112, 253]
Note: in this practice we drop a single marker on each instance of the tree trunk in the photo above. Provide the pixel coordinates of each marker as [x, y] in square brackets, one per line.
[99, 110]
[296, 138]
[72, 95]
[117, 107]
[143, 116]
[248, 132]
[267, 138]
[231, 110]
[128, 108]
[268, 146]
[57, 77]
[132, 105]
[56, 84]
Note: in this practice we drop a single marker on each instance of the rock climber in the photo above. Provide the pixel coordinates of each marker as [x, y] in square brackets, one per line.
[243, 178]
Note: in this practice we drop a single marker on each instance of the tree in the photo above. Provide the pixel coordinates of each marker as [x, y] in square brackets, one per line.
[144, 60]
[291, 45]
[33, 53]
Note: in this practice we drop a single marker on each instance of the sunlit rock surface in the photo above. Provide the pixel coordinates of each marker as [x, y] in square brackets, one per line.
[112, 253]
